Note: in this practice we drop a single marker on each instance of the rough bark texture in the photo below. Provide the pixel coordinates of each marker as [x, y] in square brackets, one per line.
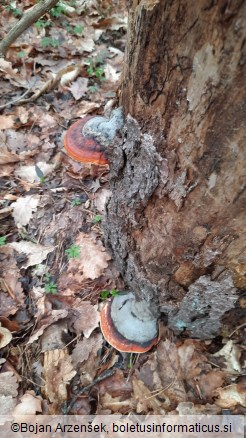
[176, 218]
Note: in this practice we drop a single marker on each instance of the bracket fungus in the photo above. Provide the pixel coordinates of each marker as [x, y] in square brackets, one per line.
[129, 325]
[87, 139]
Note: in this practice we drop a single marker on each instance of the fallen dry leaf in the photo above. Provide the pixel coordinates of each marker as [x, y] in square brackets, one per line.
[231, 354]
[6, 67]
[8, 157]
[115, 405]
[57, 373]
[117, 386]
[85, 318]
[83, 348]
[79, 88]
[7, 404]
[23, 209]
[188, 408]
[209, 382]
[29, 174]
[30, 404]
[230, 396]
[35, 252]
[170, 372]
[6, 122]
[8, 384]
[11, 293]
[100, 199]
[46, 322]
[112, 74]
[55, 336]
[92, 260]
[146, 401]
[5, 337]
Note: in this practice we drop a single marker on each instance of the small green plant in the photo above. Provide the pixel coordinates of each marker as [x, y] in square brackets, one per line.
[78, 30]
[3, 240]
[73, 251]
[42, 24]
[109, 293]
[40, 174]
[97, 219]
[93, 88]
[15, 11]
[21, 54]
[50, 286]
[132, 360]
[48, 41]
[58, 10]
[95, 69]
[76, 201]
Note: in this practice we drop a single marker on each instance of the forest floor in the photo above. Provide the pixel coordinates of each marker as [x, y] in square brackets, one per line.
[55, 272]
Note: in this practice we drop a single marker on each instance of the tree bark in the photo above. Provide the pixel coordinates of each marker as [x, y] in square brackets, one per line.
[30, 17]
[176, 218]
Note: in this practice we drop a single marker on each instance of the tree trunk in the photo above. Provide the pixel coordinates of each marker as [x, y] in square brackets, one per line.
[176, 218]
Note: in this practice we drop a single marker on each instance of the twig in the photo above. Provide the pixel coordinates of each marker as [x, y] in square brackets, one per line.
[236, 329]
[105, 375]
[12, 102]
[30, 17]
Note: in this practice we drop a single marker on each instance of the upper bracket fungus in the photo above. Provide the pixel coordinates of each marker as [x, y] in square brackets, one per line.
[87, 139]
[129, 325]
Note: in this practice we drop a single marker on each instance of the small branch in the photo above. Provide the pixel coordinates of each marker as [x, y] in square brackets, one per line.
[30, 17]
[13, 102]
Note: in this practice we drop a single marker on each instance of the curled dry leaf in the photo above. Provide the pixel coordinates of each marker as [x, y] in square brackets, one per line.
[46, 322]
[114, 405]
[232, 354]
[23, 209]
[7, 157]
[29, 174]
[11, 293]
[209, 382]
[231, 396]
[57, 373]
[92, 261]
[30, 404]
[83, 348]
[55, 336]
[100, 199]
[36, 253]
[146, 401]
[5, 337]
[85, 318]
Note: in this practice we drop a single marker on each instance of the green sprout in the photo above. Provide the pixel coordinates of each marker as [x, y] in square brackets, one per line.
[76, 201]
[95, 69]
[15, 11]
[97, 219]
[109, 293]
[3, 240]
[78, 30]
[58, 10]
[50, 286]
[21, 54]
[48, 41]
[42, 24]
[73, 252]
[40, 174]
